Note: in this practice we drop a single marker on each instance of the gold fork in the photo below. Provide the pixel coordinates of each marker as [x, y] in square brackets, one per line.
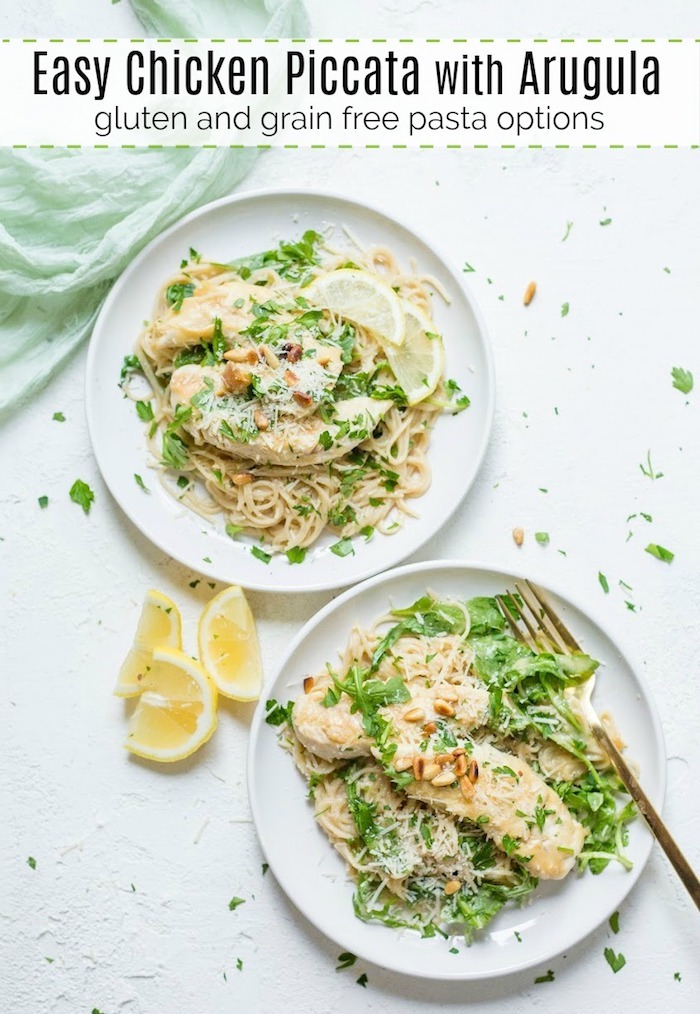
[544, 631]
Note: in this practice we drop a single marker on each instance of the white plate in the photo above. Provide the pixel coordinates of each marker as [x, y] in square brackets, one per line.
[312, 873]
[231, 228]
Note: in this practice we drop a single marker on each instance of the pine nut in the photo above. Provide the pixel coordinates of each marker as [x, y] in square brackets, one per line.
[418, 767]
[261, 420]
[461, 765]
[444, 778]
[270, 357]
[414, 715]
[241, 355]
[429, 728]
[518, 536]
[308, 684]
[403, 763]
[236, 378]
[443, 708]
[452, 886]
[466, 787]
[529, 293]
[449, 694]
[444, 758]
[430, 770]
[473, 772]
[458, 751]
[323, 359]
[290, 378]
[302, 398]
[241, 478]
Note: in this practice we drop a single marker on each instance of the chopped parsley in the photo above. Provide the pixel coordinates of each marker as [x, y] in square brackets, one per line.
[616, 961]
[265, 868]
[292, 261]
[343, 547]
[614, 921]
[649, 470]
[682, 380]
[605, 221]
[140, 483]
[182, 481]
[362, 980]
[296, 554]
[325, 440]
[31, 863]
[345, 960]
[549, 977]
[459, 401]
[144, 410]
[277, 714]
[131, 364]
[58, 417]
[43, 502]
[603, 582]
[260, 554]
[564, 309]
[176, 293]
[654, 549]
[239, 964]
[233, 530]
[234, 903]
[219, 345]
[81, 494]
[174, 451]
[542, 538]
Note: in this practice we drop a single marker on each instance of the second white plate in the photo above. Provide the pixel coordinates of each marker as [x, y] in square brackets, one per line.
[232, 228]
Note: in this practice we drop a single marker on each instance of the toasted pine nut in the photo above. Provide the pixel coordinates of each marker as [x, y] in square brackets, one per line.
[302, 398]
[403, 763]
[443, 708]
[430, 769]
[308, 684]
[270, 357]
[241, 478]
[449, 694]
[261, 420]
[530, 293]
[473, 772]
[452, 886]
[518, 536]
[429, 728]
[461, 765]
[466, 787]
[241, 355]
[236, 378]
[323, 359]
[458, 750]
[444, 758]
[444, 778]
[418, 767]
[290, 378]
[414, 715]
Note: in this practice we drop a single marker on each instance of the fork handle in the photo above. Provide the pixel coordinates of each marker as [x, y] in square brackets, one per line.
[656, 824]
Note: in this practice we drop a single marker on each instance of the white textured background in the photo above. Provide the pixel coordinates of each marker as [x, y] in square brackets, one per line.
[135, 864]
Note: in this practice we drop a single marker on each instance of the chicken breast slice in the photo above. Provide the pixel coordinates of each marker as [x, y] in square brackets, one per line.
[505, 787]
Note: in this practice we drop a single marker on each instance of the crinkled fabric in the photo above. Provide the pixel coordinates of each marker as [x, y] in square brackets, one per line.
[71, 220]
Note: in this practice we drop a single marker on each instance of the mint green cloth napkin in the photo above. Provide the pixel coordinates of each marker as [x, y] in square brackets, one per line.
[71, 221]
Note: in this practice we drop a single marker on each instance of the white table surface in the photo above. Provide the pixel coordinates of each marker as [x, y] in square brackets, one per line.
[127, 909]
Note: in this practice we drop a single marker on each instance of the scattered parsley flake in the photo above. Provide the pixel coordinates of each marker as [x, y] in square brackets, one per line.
[542, 538]
[614, 921]
[144, 410]
[343, 547]
[265, 868]
[362, 981]
[260, 554]
[31, 862]
[649, 470]
[569, 227]
[517, 936]
[43, 502]
[454, 950]
[549, 977]
[654, 549]
[603, 582]
[58, 417]
[239, 964]
[564, 309]
[677, 976]
[616, 961]
[206, 559]
[193, 584]
[682, 379]
[605, 221]
[345, 960]
[81, 494]
[468, 268]
[140, 483]
[182, 481]
[233, 530]
[296, 554]
[234, 903]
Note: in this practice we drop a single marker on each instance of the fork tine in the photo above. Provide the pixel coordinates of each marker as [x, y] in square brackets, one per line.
[532, 642]
[518, 634]
[554, 639]
[561, 629]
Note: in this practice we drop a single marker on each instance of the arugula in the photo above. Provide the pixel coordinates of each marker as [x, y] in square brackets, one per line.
[367, 695]
[292, 261]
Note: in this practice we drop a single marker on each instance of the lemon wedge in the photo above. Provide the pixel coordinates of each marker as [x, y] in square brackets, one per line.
[363, 299]
[419, 363]
[159, 625]
[176, 711]
[228, 645]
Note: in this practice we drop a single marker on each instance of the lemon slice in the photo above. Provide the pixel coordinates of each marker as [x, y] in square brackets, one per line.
[228, 645]
[159, 624]
[176, 711]
[362, 298]
[419, 363]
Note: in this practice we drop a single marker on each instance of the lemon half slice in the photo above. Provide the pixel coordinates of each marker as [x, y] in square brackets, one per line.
[419, 363]
[228, 645]
[363, 299]
[160, 624]
[176, 712]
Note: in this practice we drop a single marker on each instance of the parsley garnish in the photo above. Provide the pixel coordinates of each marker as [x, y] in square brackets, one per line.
[325, 440]
[140, 483]
[605, 221]
[58, 417]
[362, 981]
[144, 410]
[233, 530]
[682, 379]
[603, 582]
[549, 977]
[296, 554]
[649, 469]
[265, 868]
[654, 549]
[130, 365]
[182, 481]
[614, 921]
[343, 547]
[176, 293]
[81, 494]
[260, 554]
[616, 961]
[542, 538]
[31, 863]
[345, 960]
[43, 502]
[564, 309]
[234, 903]
[175, 451]
[219, 345]
[278, 714]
